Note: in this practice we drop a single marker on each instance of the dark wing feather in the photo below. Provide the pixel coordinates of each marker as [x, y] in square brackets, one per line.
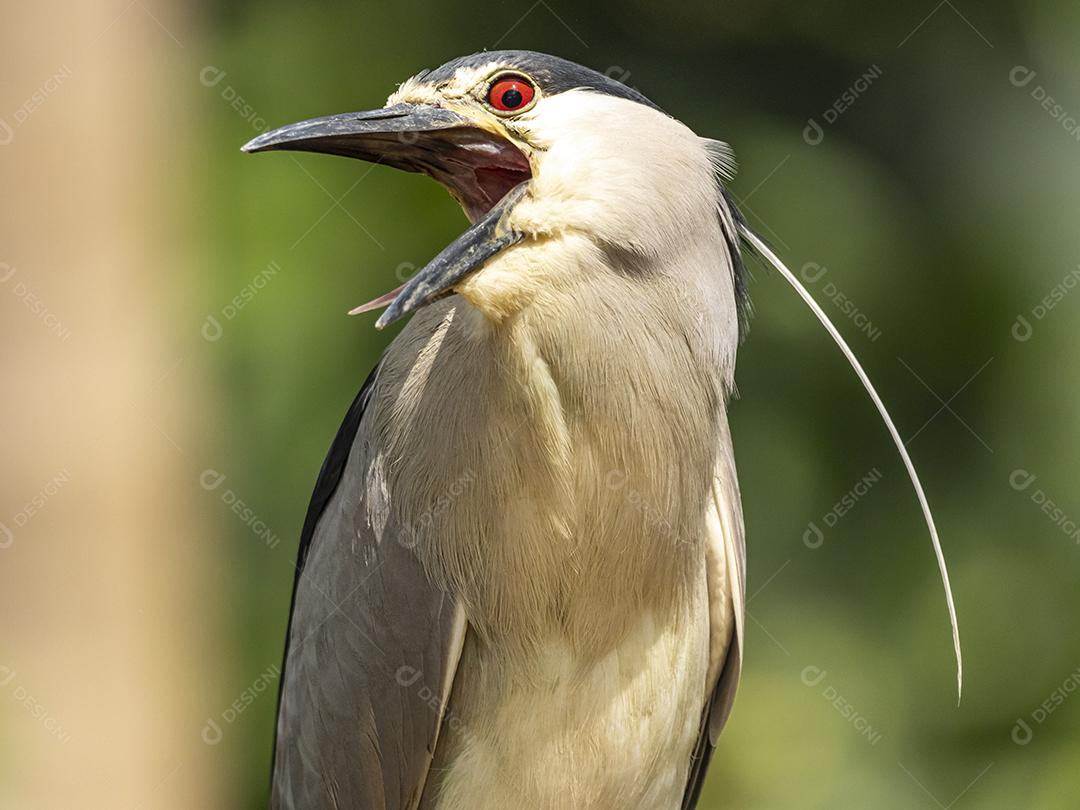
[372, 646]
[333, 466]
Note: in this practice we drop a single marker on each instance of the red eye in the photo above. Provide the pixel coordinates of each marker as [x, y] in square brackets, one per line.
[510, 93]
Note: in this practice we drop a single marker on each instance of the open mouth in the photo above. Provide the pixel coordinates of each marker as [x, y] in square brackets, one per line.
[479, 167]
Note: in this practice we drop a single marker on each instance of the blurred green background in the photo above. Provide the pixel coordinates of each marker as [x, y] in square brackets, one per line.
[918, 165]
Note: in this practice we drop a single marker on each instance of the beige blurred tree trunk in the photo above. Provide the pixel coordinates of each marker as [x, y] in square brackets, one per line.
[103, 650]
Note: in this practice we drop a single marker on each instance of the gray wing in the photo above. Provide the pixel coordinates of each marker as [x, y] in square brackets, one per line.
[727, 550]
[372, 647]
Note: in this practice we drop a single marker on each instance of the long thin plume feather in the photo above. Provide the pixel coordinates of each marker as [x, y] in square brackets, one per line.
[771, 257]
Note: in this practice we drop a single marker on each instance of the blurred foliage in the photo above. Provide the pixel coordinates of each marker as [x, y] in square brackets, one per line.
[942, 203]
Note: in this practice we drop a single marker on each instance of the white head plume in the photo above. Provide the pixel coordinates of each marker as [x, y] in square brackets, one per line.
[790, 277]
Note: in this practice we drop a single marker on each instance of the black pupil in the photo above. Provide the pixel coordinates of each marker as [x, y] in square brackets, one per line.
[512, 97]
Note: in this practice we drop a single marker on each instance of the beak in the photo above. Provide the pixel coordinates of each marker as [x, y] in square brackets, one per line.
[485, 172]
[402, 136]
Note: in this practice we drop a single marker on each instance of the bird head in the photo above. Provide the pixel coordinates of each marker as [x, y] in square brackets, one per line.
[535, 149]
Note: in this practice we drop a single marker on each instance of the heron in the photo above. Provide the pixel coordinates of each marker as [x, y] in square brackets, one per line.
[522, 574]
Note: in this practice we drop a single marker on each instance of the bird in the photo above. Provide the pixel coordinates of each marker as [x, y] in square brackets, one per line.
[521, 579]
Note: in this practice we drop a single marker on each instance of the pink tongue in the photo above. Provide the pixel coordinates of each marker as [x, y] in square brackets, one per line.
[377, 303]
